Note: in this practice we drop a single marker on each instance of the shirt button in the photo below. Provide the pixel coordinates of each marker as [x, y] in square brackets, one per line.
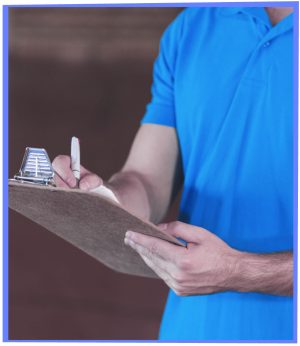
[266, 44]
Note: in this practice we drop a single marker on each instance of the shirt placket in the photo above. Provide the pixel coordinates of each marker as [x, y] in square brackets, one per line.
[267, 34]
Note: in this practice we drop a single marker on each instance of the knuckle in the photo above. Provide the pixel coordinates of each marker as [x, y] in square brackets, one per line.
[153, 248]
[178, 277]
[184, 264]
[177, 224]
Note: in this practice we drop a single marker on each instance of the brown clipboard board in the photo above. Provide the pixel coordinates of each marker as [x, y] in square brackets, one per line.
[90, 222]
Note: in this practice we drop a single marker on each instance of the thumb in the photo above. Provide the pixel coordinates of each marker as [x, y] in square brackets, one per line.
[189, 233]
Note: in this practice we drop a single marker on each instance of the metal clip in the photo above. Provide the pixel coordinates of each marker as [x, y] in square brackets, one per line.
[36, 168]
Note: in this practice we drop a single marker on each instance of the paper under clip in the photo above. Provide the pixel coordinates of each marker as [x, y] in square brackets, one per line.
[36, 168]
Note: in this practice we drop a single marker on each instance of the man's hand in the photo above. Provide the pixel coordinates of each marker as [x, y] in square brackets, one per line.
[209, 265]
[149, 179]
[205, 266]
[64, 176]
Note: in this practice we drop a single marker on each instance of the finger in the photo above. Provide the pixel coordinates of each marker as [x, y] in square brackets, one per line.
[157, 247]
[160, 272]
[162, 268]
[144, 252]
[154, 262]
[184, 231]
[62, 165]
[59, 182]
[90, 181]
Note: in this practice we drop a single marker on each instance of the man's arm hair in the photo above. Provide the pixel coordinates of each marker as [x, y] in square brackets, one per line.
[264, 273]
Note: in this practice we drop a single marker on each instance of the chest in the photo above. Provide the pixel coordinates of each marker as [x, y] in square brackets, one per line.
[234, 112]
[233, 92]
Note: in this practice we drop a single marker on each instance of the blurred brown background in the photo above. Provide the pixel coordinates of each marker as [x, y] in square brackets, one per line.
[83, 72]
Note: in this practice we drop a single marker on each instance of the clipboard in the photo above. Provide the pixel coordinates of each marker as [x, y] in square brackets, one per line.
[91, 222]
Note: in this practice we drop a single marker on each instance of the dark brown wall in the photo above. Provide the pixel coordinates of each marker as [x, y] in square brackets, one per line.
[83, 72]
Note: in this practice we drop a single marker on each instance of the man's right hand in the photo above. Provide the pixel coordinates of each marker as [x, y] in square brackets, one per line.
[65, 177]
[146, 184]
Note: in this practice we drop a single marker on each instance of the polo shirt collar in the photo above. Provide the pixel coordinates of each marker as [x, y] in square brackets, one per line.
[256, 12]
[261, 14]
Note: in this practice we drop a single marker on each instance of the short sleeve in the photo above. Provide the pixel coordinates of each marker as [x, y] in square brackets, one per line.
[161, 109]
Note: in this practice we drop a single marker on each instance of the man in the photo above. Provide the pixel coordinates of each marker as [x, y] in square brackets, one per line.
[219, 125]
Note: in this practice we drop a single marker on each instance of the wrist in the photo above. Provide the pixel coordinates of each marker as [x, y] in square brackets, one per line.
[131, 193]
[245, 273]
[266, 273]
[232, 270]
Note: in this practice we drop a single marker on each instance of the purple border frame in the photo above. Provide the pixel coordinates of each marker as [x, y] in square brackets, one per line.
[295, 148]
[5, 11]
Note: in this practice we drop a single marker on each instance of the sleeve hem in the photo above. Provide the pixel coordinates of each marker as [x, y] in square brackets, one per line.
[161, 116]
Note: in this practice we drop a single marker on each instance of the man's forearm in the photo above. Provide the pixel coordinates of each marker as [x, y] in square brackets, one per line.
[265, 273]
[135, 194]
[151, 174]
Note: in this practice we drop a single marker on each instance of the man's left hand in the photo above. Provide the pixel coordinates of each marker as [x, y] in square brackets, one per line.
[206, 265]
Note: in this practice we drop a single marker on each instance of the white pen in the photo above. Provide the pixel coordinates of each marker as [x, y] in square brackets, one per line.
[75, 159]
[75, 166]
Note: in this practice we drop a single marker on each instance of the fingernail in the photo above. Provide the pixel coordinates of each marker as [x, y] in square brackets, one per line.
[128, 242]
[128, 234]
[85, 185]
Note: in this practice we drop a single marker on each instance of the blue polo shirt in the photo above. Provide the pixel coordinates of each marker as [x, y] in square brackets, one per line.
[223, 78]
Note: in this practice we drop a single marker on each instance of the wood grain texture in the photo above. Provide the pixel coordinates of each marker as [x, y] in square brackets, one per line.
[88, 221]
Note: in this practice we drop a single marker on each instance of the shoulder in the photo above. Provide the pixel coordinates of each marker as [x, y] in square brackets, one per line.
[191, 28]
[192, 20]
